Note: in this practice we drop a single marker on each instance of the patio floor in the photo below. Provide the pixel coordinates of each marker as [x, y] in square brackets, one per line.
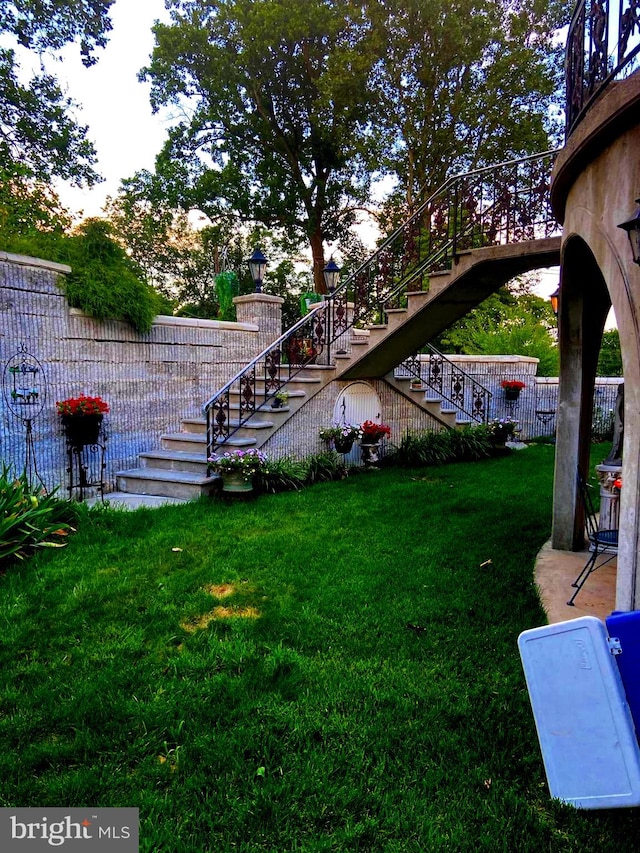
[555, 571]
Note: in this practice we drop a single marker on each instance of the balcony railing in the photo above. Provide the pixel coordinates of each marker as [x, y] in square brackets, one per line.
[603, 45]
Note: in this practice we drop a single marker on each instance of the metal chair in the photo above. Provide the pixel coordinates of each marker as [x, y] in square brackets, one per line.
[600, 541]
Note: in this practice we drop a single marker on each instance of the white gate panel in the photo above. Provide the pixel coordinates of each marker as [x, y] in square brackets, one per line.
[357, 403]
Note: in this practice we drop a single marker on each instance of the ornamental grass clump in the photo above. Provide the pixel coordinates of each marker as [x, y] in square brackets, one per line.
[29, 518]
[83, 405]
[247, 463]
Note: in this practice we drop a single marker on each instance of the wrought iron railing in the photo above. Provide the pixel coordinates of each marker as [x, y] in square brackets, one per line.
[496, 205]
[603, 45]
[450, 382]
[505, 203]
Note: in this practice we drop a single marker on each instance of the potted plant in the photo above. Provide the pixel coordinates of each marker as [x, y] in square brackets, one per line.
[372, 435]
[280, 399]
[512, 388]
[82, 418]
[341, 436]
[237, 468]
[416, 383]
[501, 430]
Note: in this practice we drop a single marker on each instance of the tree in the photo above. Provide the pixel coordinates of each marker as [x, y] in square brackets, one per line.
[276, 99]
[465, 83]
[507, 324]
[38, 137]
[610, 358]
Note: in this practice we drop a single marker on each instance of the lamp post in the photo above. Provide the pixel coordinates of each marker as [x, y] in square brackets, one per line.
[257, 266]
[555, 300]
[632, 227]
[331, 275]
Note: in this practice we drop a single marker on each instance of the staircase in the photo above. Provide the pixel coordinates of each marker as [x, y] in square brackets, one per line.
[475, 233]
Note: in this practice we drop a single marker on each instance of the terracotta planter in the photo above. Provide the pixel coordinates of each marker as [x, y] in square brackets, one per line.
[81, 430]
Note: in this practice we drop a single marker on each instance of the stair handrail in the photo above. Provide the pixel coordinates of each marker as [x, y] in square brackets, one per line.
[218, 406]
[480, 394]
[449, 182]
[355, 290]
[349, 304]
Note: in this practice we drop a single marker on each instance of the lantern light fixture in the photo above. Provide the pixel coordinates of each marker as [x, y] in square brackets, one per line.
[331, 275]
[632, 227]
[257, 266]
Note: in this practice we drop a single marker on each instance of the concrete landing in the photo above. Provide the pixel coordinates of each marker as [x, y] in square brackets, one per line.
[555, 571]
[122, 500]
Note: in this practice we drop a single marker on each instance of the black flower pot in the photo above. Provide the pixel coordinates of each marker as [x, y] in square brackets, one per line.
[82, 429]
[511, 394]
[343, 444]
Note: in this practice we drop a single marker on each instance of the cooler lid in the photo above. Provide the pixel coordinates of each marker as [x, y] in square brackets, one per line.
[584, 726]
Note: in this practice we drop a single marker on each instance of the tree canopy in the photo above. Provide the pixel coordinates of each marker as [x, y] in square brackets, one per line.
[39, 138]
[466, 83]
[512, 321]
[276, 99]
[288, 107]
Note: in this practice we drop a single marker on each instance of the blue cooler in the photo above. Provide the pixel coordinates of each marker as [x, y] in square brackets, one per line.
[625, 627]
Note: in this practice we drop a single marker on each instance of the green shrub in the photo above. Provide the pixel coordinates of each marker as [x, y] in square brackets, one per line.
[437, 448]
[324, 467]
[104, 281]
[28, 518]
[281, 475]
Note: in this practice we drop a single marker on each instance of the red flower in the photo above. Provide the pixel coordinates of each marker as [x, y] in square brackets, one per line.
[513, 384]
[83, 405]
[372, 431]
[617, 483]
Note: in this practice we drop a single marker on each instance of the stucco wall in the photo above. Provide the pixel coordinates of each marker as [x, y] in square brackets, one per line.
[596, 183]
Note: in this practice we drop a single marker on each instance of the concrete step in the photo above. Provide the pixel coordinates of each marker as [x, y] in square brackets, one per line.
[184, 442]
[163, 483]
[126, 501]
[198, 426]
[194, 463]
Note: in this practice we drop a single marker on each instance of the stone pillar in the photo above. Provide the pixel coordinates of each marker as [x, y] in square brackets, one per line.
[262, 310]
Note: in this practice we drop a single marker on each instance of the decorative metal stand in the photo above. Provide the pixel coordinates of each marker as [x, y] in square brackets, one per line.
[24, 389]
[86, 464]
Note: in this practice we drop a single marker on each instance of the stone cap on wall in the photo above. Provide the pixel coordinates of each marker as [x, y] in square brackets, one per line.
[26, 261]
[184, 322]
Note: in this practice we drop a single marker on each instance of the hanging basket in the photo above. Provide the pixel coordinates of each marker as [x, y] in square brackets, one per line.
[81, 430]
[343, 444]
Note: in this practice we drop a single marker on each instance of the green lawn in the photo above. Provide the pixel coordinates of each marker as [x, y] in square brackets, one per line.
[329, 670]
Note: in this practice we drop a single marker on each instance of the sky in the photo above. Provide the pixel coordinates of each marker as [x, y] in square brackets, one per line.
[114, 105]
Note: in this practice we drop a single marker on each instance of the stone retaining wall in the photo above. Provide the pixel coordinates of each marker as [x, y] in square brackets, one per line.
[150, 381]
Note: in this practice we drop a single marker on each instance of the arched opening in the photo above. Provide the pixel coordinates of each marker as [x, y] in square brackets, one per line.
[356, 403]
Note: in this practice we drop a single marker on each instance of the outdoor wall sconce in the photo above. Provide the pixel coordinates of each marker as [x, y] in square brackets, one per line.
[257, 267]
[331, 275]
[555, 300]
[632, 227]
